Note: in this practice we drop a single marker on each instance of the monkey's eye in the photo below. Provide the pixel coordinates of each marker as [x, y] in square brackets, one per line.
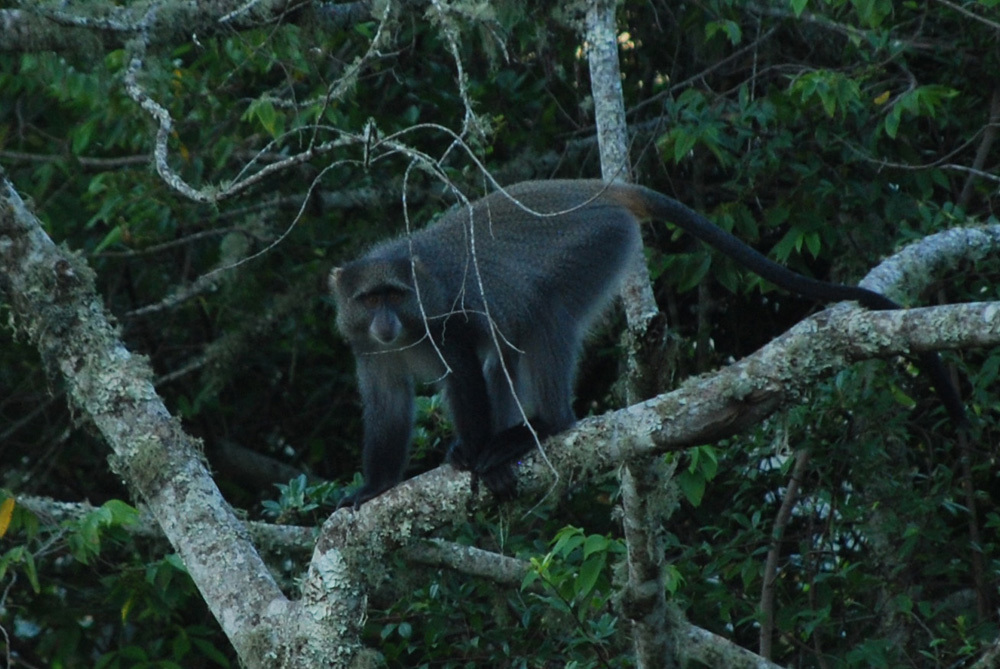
[394, 297]
[383, 297]
[371, 300]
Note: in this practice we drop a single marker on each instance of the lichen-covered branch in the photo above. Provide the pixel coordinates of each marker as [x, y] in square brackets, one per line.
[53, 304]
[644, 486]
[99, 26]
[704, 409]
[910, 270]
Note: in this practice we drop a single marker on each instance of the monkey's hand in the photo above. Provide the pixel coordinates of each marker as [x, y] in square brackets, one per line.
[501, 481]
[498, 476]
[493, 465]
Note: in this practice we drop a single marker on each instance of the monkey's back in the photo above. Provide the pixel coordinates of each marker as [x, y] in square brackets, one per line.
[561, 249]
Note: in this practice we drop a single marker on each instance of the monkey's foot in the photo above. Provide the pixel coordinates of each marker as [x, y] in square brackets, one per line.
[501, 481]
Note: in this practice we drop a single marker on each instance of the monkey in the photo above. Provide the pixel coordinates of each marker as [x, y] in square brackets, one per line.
[492, 303]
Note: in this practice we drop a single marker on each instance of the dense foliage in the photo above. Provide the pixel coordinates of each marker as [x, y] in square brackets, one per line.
[827, 134]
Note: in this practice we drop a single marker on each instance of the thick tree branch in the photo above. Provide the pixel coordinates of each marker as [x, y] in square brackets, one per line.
[649, 499]
[912, 269]
[711, 650]
[643, 487]
[703, 409]
[646, 326]
[285, 538]
[470, 560]
[52, 300]
[97, 27]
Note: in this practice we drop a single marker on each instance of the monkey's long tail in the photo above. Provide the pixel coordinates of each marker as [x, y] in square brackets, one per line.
[665, 208]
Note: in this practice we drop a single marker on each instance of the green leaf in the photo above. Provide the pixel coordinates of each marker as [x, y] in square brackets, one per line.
[872, 13]
[264, 111]
[82, 136]
[791, 241]
[813, 243]
[708, 462]
[595, 543]
[683, 144]
[366, 29]
[553, 602]
[568, 540]
[31, 572]
[798, 6]
[121, 513]
[829, 102]
[694, 274]
[590, 571]
[175, 561]
[903, 604]
[673, 578]
[692, 486]
[730, 29]
[113, 237]
[901, 397]
[892, 122]
[181, 645]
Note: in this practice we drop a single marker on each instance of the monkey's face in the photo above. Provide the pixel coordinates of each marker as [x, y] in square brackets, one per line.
[377, 308]
[383, 306]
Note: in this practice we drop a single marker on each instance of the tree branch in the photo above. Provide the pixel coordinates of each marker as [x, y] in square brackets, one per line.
[770, 575]
[703, 409]
[99, 26]
[286, 538]
[645, 487]
[52, 300]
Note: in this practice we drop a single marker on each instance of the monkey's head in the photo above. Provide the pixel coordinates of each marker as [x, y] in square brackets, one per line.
[377, 304]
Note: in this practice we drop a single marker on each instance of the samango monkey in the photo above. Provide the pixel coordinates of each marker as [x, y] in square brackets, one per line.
[419, 308]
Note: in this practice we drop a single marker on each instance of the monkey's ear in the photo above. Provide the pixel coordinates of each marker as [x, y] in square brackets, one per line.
[334, 278]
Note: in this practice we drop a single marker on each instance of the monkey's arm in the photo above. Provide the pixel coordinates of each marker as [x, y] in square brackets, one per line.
[387, 398]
